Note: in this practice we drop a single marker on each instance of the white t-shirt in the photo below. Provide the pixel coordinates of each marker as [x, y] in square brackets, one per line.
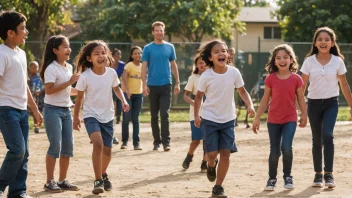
[219, 89]
[192, 86]
[97, 94]
[323, 79]
[13, 77]
[58, 74]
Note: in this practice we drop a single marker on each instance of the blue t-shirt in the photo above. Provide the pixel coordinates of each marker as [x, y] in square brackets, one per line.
[158, 57]
[119, 69]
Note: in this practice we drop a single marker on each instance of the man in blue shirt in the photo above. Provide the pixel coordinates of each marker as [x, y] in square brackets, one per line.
[159, 61]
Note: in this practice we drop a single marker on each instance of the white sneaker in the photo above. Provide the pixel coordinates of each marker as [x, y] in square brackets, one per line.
[2, 195]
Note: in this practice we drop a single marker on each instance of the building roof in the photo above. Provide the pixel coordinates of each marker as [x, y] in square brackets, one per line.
[257, 15]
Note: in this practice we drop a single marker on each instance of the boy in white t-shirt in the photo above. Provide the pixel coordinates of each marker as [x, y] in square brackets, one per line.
[14, 97]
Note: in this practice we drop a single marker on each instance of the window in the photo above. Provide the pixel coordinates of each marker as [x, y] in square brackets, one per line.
[272, 33]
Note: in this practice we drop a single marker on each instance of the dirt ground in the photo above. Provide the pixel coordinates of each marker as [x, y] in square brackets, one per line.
[150, 173]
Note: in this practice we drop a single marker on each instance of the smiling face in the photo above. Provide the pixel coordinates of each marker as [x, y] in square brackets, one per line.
[158, 33]
[136, 55]
[33, 68]
[324, 42]
[63, 52]
[201, 66]
[219, 55]
[283, 60]
[20, 36]
[98, 57]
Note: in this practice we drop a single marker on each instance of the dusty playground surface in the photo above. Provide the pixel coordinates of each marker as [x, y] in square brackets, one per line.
[150, 173]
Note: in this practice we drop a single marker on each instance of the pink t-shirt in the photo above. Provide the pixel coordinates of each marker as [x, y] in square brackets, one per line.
[282, 107]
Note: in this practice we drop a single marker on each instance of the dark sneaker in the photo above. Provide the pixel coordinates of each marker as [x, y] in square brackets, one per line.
[36, 130]
[270, 184]
[124, 145]
[318, 180]
[98, 187]
[107, 183]
[288, 183]
[167, 148]
[115, 140]
[211, 172]
[52, 187]
[329, 180]
[156, 147]
[137, 147]
[218, 191]
[66, 185]
[203, 167]
[187, 161]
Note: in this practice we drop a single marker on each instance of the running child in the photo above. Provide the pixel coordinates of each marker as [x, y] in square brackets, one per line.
[197, 133]
[218, 111]
[282, 87]
[94, 91]
[325, 70]
[133, 91]
[58, 78]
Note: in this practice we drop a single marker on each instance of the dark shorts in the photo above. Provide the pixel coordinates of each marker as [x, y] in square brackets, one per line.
[197, 133]
[106, 129]
[219, 136]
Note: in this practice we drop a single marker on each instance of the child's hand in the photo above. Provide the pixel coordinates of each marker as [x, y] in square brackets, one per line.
[125, 107]
[145, 90]
[76, 124]
[197, 121]
[74, 78]
[256, 125]
[177, 89]
[38, 116]
[303, 120]
[251, 112]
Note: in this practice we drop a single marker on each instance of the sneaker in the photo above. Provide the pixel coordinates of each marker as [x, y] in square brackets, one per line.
[98, 187]
[211, 172]
[137, 147]
[66, 185]
[115, 140]
[203, 167]
[52, 187]
[24, 195]
[107, 183]
[36, 130]
[187, 161]
[2, 194]
[167, 148]
[329, 180]
[124, 145]
[318, 180]
[156, 147]
[288, 183]
[270, 184]
[218, 191]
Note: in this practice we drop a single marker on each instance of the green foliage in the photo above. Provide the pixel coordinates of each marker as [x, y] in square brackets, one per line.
[256, 3]
[300, 19]
[124, 20]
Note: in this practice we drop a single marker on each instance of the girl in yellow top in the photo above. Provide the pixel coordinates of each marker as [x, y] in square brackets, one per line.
[133, 91]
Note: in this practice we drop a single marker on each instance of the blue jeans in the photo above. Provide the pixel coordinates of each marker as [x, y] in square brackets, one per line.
[14, 128]
[58, 127]
[135, 103]
[281, 138]
[322, 114]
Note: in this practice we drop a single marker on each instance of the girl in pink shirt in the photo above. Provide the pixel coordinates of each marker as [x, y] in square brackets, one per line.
[282, 87]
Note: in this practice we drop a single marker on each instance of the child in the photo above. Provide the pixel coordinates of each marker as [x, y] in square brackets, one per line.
[324, 68]
[282, 85]
[219, 110]
[14, 97]
[94, 86]
[197, 133]
[37, 89]
[133, 91]
[58, 78]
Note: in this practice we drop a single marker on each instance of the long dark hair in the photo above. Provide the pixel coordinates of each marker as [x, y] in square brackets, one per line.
[335, 50]
[81, 61]
[205, 51]
[130, 59]
[272, 68]
[49, 56]
[195, 69]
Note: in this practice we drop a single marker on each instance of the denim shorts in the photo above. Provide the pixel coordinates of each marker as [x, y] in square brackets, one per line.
[58, 127]
[106, 129]
[219, 136]
[197, 133]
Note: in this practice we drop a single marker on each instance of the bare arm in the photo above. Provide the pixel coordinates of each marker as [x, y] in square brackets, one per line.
[303, 107]
[125, 82]
[74, 92]
[119, 94]
[262, 107]
[51, 88]
[197, 103]
[187, 98]
[346, 91]
[247, 100]
[174, 70]
[144, 78]
[305, 79]
[77, 109]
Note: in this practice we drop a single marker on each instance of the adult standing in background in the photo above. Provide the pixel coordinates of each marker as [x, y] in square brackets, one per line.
[159, 61]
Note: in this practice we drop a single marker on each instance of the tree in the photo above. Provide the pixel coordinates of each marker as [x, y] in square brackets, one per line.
[256, 3]
[300, 19]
